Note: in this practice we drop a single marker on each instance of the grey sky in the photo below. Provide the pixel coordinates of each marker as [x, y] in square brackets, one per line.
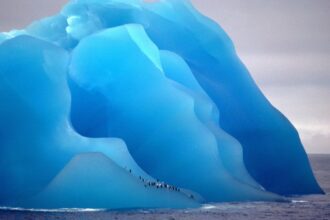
[285, 45]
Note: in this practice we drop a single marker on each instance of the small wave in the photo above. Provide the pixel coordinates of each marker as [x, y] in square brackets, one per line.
[298, 201]
[51, 210]
[208, 207]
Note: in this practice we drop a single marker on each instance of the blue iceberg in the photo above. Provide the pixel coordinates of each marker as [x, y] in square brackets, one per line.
[130, 104]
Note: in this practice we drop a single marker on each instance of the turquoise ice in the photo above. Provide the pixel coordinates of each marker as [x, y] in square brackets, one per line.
[129, 104]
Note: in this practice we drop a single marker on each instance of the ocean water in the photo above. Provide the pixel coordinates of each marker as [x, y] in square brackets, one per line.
[305, 207]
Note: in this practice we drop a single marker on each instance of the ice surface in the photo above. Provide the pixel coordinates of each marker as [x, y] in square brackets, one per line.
[138, 91]
[113, 187]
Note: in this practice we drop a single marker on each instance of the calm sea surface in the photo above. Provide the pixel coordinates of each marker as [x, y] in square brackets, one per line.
[307, 207]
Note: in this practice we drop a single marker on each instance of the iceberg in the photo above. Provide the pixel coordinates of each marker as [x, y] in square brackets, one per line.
[123, 104]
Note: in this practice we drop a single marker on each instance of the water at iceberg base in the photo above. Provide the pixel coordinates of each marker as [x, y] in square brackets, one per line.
[122, 104]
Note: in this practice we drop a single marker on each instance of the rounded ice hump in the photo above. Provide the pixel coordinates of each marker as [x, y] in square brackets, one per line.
[122, 104]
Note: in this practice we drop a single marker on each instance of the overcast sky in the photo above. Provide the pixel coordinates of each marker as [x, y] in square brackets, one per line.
[285, 45]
